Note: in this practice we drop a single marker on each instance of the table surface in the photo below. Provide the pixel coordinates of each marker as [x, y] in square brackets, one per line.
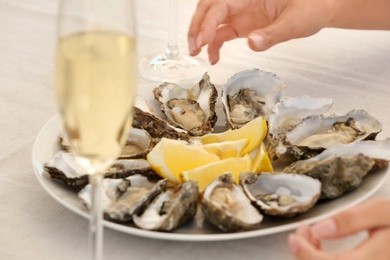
[350, 66]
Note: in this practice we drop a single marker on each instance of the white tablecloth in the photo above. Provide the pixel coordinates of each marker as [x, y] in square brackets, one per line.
[352, 67]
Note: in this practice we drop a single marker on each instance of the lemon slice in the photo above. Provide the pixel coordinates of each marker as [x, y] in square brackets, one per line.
[261, 161]
[171, 157]
[227, 149]
[204, 175]
[255, 130]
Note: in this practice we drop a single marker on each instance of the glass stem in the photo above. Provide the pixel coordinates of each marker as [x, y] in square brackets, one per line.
[172, 51]
[96, 221]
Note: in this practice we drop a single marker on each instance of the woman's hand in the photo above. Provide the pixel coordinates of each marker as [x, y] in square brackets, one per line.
[264, 23]
[268, 22]
[372, 216]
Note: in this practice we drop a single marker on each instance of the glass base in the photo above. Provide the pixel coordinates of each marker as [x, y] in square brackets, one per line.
[181, 69]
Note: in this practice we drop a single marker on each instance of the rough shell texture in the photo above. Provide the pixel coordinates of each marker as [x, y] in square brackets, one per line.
[225, 205]
[343, 168]
[133, 201]
[157, 127]
[281, 194]
[191, 109]
[250, 94]
[173, 207]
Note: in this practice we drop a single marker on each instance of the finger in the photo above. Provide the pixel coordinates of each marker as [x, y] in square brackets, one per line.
[208, 16]
[374, 247]
[198, 17]
[290, 24]
[224, 33]
[304, 231]
[369, 215]
[303, 250]
[283, 29]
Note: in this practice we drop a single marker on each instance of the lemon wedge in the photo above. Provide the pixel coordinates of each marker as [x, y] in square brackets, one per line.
[204, 175]
[255, 130]
[261, 161]
[171, 157]
[227, 149]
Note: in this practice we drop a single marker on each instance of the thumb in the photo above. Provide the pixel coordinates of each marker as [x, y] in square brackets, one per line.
[264, 38]
[303, 250]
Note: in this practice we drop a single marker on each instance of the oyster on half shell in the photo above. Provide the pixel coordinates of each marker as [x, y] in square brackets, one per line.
[63, 167]
[250, 94]
[342, 168]
[122, 198]
[173, 207]
[225, 205]
[138, 144]
[281, 194]
[191, 109]
[316, 133]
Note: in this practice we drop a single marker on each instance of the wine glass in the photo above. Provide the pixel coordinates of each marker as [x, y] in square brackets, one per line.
[95, 89]
[172, 65]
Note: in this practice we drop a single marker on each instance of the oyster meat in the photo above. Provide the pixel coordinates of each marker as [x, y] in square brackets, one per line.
[173, 207]
[281, 194]
[138, 144]
[342, 168]
[225, 205]
[250, 94]
[290, 111]
[191, 109]
[316, 133]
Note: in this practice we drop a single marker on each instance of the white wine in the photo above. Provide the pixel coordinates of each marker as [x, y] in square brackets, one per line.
[96, 84]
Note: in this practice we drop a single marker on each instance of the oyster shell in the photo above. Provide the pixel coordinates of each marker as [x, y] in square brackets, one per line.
[157, 127]
[137, 145]
[134, 200]
[173, 207]
[190, 109]
[63, 167]
[250, 94]
[290, 111]
[342, 168]
[124, 197]
[281, 194]
[113, 189]
[319, 132]
[226, 206]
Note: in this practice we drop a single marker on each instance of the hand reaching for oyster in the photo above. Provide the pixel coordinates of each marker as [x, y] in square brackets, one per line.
[325, 156]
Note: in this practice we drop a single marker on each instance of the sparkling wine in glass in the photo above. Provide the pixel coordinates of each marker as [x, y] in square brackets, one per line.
[95, 88]
[172, 65]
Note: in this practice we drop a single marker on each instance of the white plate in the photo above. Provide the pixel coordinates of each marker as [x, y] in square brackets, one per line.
[46, 145]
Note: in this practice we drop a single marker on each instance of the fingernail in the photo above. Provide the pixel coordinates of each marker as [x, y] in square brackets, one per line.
[213, 60]
[325, 229]
[257, 39]
[293, 243]
[191, 45]
[199, 40]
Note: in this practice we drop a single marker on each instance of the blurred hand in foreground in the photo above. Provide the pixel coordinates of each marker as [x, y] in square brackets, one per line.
[372, 216]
